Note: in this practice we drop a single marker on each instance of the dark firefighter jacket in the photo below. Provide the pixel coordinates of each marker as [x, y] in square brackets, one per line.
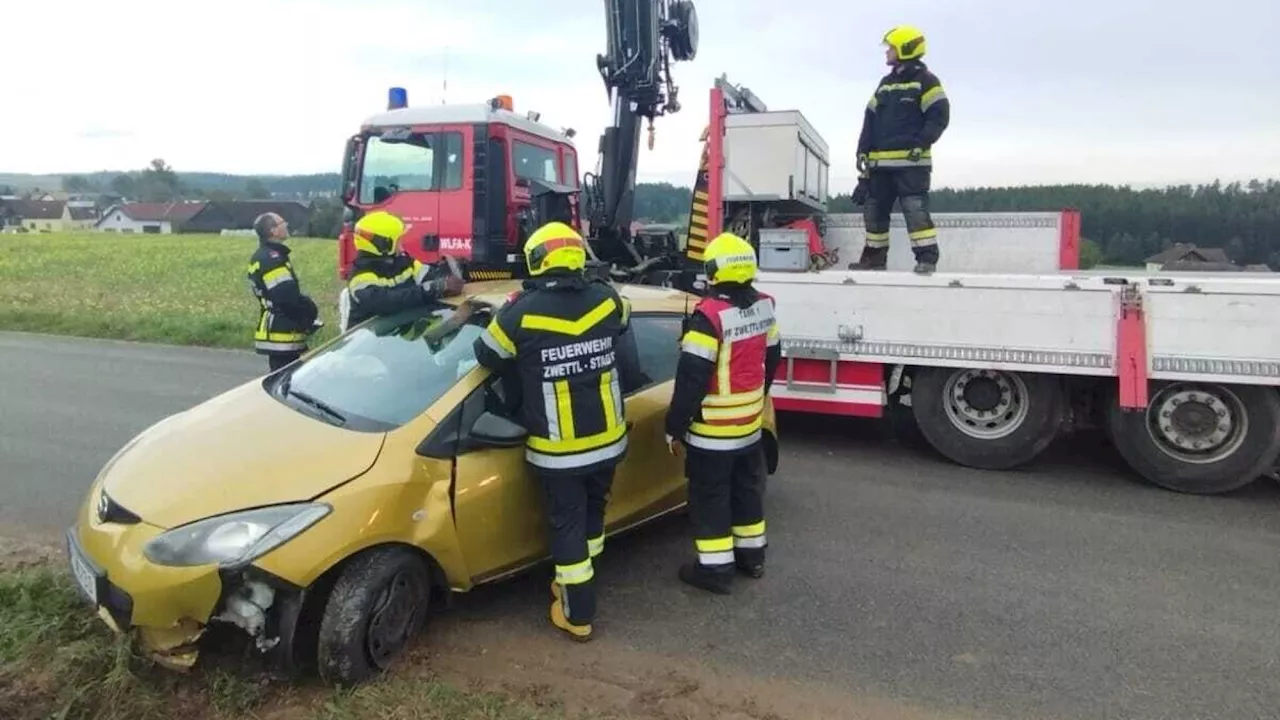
[384, 285]
[285, 314]
[719, 394]
[562, 337]
[908, 110]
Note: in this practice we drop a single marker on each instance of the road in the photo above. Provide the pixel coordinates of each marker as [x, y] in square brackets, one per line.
[1070, 590]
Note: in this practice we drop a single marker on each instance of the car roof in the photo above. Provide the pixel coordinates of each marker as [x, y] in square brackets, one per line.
[644, 298]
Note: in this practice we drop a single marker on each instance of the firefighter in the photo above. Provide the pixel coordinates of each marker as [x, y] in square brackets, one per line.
[561, 337]
[386, 280]
[287, 316]
[729, 353]
[903, 120]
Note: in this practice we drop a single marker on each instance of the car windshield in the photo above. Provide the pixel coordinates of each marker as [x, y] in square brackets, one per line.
[387, 371]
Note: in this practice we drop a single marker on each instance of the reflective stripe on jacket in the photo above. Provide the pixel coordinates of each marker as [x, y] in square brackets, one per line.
[561, 336]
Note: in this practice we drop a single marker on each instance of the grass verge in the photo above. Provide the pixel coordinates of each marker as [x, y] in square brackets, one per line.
[178, 289]
[57, 660]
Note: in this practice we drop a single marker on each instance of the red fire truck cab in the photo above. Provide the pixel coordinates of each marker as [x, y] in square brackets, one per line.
[469, 181]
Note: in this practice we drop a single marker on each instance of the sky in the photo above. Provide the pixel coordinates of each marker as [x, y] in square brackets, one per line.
[1098, 91]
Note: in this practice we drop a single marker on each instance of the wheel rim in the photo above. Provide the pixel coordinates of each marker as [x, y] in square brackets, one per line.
[395, 614]
[1196, 423]
[985, 404]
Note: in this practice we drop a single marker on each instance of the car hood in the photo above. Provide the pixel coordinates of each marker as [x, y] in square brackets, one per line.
[239, 450]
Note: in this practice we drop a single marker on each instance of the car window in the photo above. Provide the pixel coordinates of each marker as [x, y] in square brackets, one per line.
[657, 339]
[389, 370]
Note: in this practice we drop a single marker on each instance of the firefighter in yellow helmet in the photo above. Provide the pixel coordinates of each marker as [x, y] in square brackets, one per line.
[384, 279]
[559, 340]
[904, 119]
[729, 353]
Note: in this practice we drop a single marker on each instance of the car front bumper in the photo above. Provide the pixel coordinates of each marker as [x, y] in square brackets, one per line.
[167, 608]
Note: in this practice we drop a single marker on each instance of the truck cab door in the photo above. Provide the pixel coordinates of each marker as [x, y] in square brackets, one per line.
[399, 176]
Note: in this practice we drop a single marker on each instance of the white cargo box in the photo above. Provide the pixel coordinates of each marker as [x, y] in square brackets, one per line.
[783, 250]
[771, 156]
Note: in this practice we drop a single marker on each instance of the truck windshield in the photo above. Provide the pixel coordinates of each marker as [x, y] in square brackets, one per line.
[392, 166]
[387, 371]
[534, 163]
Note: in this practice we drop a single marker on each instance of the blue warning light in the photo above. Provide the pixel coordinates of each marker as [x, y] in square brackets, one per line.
[397, 97]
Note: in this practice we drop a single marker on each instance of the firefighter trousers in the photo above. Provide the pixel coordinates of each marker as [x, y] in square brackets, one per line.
[575, 511]
[910, 187]
[277, 360]
[726, 505]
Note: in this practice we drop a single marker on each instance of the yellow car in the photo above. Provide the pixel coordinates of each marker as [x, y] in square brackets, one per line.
[326, 507]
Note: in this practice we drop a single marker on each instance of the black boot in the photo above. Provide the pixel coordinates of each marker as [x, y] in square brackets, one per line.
[717, 582]
[926, 259]
[751, 570]
[872, 259]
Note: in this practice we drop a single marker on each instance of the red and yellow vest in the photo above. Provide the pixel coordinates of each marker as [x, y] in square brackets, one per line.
[733, 410]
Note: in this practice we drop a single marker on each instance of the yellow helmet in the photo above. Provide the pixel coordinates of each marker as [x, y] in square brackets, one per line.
[729, 258]
[378, 233]
[555, 245]
[907, 42]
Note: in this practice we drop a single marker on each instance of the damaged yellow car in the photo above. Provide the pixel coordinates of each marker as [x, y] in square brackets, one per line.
[327, 507]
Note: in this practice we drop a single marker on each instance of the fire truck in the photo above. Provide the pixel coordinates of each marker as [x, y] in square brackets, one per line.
[1006, 348]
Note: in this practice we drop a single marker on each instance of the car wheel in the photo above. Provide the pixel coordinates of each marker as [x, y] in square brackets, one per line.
[378, 604]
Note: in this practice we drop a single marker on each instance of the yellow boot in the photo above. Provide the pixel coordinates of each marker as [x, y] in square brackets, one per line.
[581, 633]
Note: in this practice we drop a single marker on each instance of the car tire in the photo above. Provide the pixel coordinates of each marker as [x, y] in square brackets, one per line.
[378, 604]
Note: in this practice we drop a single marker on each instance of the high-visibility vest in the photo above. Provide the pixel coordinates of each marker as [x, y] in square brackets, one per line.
[733, 409]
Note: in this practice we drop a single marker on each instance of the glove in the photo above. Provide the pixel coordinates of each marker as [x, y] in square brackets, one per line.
[914, 154]
[316, 325]
[861, 192]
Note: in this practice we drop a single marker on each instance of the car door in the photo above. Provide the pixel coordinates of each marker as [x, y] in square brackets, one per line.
[498, 506]
[650, 480]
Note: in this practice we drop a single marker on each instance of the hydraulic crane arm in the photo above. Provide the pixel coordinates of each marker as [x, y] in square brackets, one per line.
[644, 38]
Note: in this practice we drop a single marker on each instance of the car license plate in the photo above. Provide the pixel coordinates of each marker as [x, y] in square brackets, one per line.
[84, 575]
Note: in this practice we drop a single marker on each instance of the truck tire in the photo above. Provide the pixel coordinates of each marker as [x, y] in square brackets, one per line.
[1200, 438]
[987, 419]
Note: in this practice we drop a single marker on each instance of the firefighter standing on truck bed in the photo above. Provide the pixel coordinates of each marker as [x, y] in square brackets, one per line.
[904, 118]
[287, 317]
[729, 353]
[385, 280]
[561, 337]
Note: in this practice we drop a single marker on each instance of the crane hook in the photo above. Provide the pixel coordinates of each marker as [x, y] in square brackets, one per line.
[650, 133]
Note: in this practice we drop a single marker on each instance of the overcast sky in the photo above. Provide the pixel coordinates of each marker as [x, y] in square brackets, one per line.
[1118, 91]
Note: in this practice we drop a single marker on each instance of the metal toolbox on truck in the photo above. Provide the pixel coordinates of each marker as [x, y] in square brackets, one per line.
[775, 156]
[783, 249]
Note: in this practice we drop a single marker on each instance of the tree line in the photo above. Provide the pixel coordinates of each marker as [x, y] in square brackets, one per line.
[1121, 225]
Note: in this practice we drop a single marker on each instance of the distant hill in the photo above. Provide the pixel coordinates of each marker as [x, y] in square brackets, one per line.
[299, 185]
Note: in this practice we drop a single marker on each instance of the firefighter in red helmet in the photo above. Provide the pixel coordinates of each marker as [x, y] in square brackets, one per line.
[730, 351]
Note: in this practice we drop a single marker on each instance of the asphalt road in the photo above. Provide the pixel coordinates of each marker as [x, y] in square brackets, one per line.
[1070, 590]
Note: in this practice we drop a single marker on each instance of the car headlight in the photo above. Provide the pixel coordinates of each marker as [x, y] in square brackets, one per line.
[236, 538]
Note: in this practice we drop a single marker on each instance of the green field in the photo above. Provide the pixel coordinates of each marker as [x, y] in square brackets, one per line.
[179, 289]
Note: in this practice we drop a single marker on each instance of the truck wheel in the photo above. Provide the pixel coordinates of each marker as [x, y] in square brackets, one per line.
[378, 604]
[988, 419]
[1200, 438]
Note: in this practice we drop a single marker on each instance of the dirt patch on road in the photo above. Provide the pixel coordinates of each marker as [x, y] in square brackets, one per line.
[604, 679]
[16, 553]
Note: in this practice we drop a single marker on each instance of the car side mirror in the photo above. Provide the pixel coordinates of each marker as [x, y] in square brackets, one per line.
[495, 431]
